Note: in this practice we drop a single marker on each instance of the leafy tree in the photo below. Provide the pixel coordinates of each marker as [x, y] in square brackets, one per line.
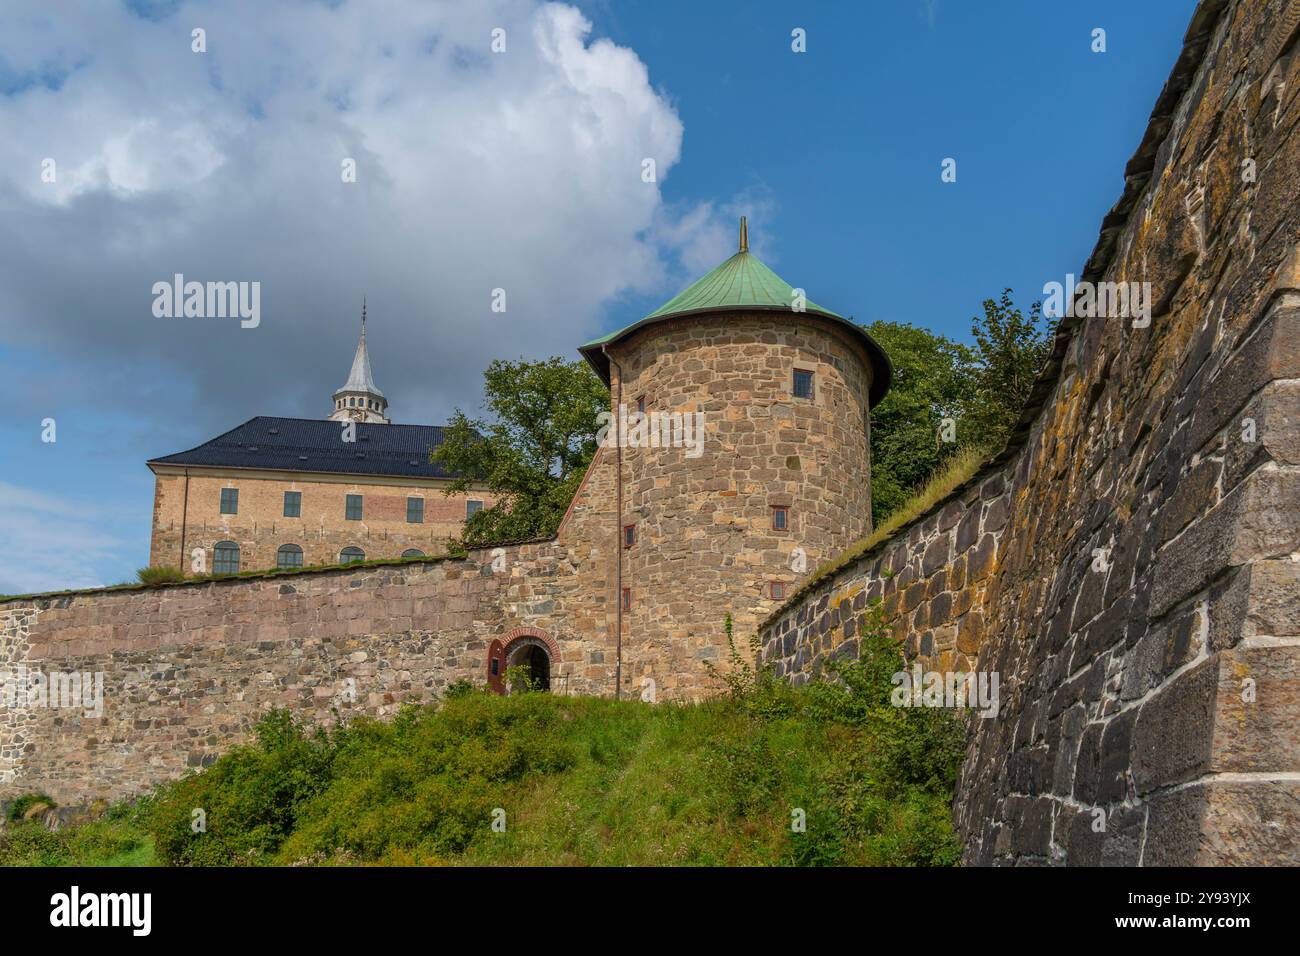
[1011, 349]
[982, 389]
[533, 454]
[933, 380]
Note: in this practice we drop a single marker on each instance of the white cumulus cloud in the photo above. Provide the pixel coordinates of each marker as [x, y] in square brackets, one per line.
[475, 171]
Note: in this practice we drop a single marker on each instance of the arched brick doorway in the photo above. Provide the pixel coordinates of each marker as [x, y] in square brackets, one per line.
[529, 647]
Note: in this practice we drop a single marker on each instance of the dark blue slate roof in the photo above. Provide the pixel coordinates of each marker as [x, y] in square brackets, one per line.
[309, 444]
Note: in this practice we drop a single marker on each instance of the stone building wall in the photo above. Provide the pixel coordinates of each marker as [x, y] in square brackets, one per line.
[705, 541]
[322, 530]
[16, 723]
[933, 581]
[1143, 607]
[188, 669]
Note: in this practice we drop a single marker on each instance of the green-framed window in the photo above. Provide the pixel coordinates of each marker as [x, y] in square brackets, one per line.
[225, 558]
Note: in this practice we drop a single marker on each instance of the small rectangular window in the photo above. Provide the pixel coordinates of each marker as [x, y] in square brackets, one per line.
[627, 599]
[229, 501]
[415, 511]
[640, 404]
[496, 667]
[803, 383]
[778, 590]
[293, 504]
[629, 535]
[472, 507]
[352, 511]
[780, 518]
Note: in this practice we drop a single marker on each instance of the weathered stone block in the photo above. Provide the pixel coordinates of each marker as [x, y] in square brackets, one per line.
[1125, 828]
[1173, 736]
[968, 530]
[1257, 725]
[1079, 843]
[1213, 823]
[1116, 759]
[1087, 770]
[1255, 521]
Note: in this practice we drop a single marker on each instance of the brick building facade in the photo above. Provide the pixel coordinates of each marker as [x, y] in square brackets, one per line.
[291, 492]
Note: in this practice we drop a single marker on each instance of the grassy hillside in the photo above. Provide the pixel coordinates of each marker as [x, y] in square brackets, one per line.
[567, 781]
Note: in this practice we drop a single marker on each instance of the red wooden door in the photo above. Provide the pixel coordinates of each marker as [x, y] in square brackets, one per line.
[496, 667]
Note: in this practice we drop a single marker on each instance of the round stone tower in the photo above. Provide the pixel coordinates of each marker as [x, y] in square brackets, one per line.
[779, 481]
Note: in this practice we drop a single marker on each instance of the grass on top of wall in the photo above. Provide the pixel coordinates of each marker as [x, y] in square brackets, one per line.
[955, 472]
[163, 577]
[169, 577]
[567, 781]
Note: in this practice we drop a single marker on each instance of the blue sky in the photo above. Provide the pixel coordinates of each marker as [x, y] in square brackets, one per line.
[847, 139]
[476, 171]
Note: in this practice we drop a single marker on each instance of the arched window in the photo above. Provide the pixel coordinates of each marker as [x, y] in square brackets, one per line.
[225, 559]
[288, 556]
[412, 553]
[349, 555]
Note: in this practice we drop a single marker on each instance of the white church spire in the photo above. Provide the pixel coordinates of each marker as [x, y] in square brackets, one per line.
[359, 400]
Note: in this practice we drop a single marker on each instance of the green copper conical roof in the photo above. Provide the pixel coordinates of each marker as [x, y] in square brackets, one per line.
[741, 284]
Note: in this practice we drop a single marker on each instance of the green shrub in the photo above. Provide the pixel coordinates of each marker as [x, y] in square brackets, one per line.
[28, 843]
[427, 784]
[247, 802]
[886, 796]
[752, 686]
[459, 688]
[745, 773]
[160, 575]
[18, 809]
[118, 836]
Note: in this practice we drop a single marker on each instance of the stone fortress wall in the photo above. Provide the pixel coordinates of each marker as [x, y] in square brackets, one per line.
[189, 668]
[932, 578]
[1130, 567]
[1121, 687]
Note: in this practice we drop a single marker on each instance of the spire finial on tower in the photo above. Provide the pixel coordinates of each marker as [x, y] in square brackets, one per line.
[744, 235]
[359, 399]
